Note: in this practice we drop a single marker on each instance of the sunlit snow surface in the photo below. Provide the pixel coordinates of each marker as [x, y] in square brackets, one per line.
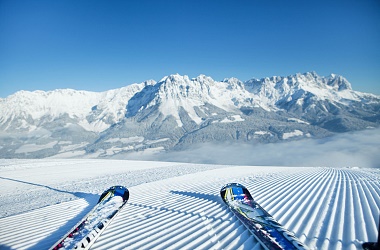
[175, 205]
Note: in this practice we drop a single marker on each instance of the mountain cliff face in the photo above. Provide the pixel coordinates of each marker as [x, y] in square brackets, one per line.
[178, 111]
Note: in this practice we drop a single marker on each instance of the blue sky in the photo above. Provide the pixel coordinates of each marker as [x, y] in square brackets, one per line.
[99, 45]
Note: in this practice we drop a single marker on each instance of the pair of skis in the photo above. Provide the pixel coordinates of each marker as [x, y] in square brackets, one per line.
[259, 222]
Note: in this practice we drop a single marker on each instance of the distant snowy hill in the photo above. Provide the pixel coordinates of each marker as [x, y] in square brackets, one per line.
[178, 111]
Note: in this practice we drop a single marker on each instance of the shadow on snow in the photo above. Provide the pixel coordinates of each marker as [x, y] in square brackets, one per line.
[53, 237]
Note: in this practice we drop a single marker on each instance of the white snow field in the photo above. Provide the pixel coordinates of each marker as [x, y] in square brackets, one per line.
[177, 206]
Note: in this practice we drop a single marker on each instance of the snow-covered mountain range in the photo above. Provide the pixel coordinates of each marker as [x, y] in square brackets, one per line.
[178, 111]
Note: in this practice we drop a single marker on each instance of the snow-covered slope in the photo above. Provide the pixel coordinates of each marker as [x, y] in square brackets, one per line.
[179, 111]
[177, 206]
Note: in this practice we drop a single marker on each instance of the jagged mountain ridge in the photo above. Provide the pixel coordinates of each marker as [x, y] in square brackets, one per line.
[178, 111]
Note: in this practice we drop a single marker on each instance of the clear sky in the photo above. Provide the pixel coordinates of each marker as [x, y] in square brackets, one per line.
[100, 45]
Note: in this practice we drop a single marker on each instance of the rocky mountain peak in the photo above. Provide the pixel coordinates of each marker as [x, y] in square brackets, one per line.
[338, 82]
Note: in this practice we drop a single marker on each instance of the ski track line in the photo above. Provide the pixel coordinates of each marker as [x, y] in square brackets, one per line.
[308, 207]
[343, 211]
[349, 227]
[328, 227]
[368, 202]
[297, 198]
[284, 188]
[274, 185]
[359, 206]
[316, 227]
[298, 205]
[326, 208]
[369, 208]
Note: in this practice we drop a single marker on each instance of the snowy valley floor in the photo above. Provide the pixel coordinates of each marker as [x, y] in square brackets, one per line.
[175, 205]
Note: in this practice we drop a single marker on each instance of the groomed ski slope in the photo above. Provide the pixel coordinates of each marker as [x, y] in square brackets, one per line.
[174, 206]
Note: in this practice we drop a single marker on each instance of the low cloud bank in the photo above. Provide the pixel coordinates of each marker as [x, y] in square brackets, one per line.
[358, 149]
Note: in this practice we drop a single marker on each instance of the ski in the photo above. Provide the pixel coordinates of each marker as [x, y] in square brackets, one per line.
[87, 231]
[259, 222]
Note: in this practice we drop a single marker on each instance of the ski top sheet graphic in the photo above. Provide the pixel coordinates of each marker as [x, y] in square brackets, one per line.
[86, 232]
[259, 222]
